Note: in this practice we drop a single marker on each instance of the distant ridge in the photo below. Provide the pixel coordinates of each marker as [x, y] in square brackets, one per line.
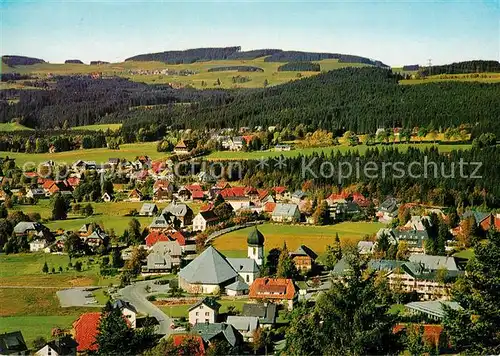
[13, 61]
[73, 61]
[272, 55]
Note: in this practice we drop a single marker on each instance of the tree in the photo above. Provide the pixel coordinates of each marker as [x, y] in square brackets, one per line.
[415, 342]
[474, 329]
[88, 210]
[271, 263]
[114, 335]
[117, 260]
[134, 231]
[261, 340]
[220, 347]
[333, 253]
[73, 245]
[134, 264]
[60, 207]
[321, 215]
[45, 268]
[3, 212]
[190, 345]
[403, 252]
[286, 266]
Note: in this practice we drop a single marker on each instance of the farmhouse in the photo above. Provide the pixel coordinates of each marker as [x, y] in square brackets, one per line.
[204, 219]
[128, 311]
[164, 256]
[286, 213]
[181, 214]
[135, 195]
[304, 258]
[211, 332]
[205, 311]
[246, 325]
[280, 290]
[62, 346]
[183, 147]
[265, 312]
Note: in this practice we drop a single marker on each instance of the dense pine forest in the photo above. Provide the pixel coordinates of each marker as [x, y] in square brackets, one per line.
[236, 68]
[13, 61]
[463, 68]
[300, 67]
[356, 99]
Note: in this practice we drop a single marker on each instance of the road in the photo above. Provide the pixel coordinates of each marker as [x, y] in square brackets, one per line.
[136, 294]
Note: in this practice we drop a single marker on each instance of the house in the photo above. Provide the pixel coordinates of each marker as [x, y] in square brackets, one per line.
[211, 332]
[418, 223]
[148, 209]
[280, 290]
[106, 197]
[63, 346]
[29, 228]
[163, 257]
[204, 219]
[266, 313]
[113, 161]
[236, 197]
[183, 147]
[208, 273]
[388, 210]
[38, 245]
[36, 193]
[484, 221]
[298, 196]
[128, 311]
[206, 177]
[180, 214]
[85, 331]
[237, 288]
[236, 143]
[414, 238]
[135, 195]
[366, 247]
[161, 223]
[281, 193]
[432, 309]
[162, 194]
[96, 238]
[340, 211]
[154, 237]
[246, 325]
[282, 147]
[205, 311]
[12, 343]
[304, 258]
[284, 212]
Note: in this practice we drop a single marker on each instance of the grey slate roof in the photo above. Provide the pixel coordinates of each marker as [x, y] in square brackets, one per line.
[245, 265]
[265, 313]
[122, 304]
[25, 226]
[160, 222]
[299, 194]
[303, 250]
[12, 343]
[435, 262]
[148, 208]
[209, 302]
[238, 286]
[176, 209]
[210, 331]
[478, 215]
[211, 267]
[246, 324]
[287, 210]
[432, 308]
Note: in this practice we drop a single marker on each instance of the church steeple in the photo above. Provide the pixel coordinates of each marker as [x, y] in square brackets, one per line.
[255, 242]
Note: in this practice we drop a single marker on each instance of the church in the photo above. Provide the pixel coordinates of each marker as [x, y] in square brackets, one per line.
[211, 271]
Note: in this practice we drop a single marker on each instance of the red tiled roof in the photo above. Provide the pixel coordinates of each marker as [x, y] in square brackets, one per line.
[73, 181]
[497, 222]
[31, 174]
[197, 194]
[279, 190]
[207, 207]
[266, 288]
[154, 237]
[233, 192]
[431, 332]
[269, 207]
[222, 184]
[177, 236]
[194, 188]
[178, 339]
[86, 331]
[248, 138]
[47, 184]
[262, 193]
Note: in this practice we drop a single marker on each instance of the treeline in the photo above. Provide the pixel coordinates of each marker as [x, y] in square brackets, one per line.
[92, 63]
[300, 67]
[80, 100]
[5, 77]
[461, 190]
[73, 61]
[236, 68]
[188, 56]
[298, 56]
[463, 68]
[13, 61]
[411, 67]
[356, 99]
[256, 53]
[55, 142]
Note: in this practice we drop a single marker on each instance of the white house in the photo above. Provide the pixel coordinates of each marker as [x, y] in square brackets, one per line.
[204, 219]
[205, 311]
[38, 245]
[246, 325]
[64, 346]
[128, 311]
[286, 213]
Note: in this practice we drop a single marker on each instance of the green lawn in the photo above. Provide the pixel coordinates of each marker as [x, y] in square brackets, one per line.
[239, 155]
[13, 126]
[98, 127]
[315, 237]
[178, 311]
[99, 155]
[468, 254]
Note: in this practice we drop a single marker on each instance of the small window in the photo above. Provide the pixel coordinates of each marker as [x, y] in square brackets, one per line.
[207, 313]
[197, 313]
[248, 278]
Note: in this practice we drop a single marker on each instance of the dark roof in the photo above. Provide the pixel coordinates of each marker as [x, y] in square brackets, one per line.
[255, 237]
[121, 304]
[209, 215]
[265, 313]
[303, 250]
[12, 342]
[209, 302]
[210, 331]
[64, 345]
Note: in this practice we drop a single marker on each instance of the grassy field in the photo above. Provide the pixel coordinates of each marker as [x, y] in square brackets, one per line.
[178, 311]
[315, 237]
[13, 126]
[202, 74]
[110, 215]
[99, 155]
[239, 155]
[98, 127]
[467, 254]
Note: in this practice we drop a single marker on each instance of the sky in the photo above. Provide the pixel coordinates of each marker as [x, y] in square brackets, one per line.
[396, 32]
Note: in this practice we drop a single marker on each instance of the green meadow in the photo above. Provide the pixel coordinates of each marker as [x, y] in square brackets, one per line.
[13, 126]
[98, 127]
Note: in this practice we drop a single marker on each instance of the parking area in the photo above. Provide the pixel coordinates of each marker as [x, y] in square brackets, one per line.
[77, 297]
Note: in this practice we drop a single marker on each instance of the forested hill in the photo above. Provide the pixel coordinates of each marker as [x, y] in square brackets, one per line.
[358, 99]
[463, 68]
[272, 55]
[13, 61]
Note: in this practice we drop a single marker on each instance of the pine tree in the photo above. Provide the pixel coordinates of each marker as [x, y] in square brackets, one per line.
[114, 335]
[286, 266]
[59, 207]
[45, 268]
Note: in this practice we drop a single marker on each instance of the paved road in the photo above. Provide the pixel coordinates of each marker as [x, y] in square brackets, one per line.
[136, 294]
